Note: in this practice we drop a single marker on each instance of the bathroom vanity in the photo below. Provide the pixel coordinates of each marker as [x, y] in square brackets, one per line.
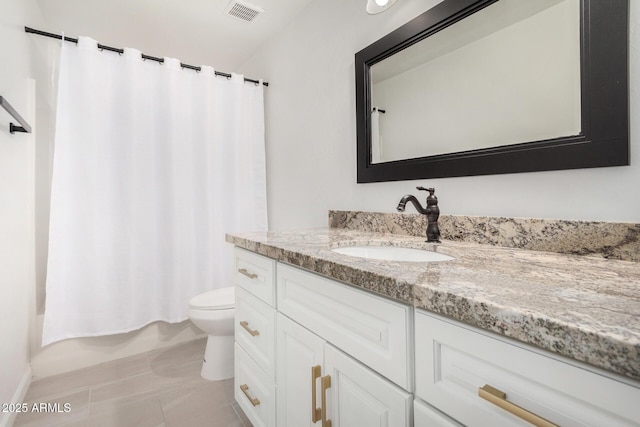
[494, 336]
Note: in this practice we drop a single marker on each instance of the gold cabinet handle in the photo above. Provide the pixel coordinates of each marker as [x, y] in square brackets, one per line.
[244, 272]
[325, 383]
[499, 398]
[254, 400]
[316, 412]
[253, 332]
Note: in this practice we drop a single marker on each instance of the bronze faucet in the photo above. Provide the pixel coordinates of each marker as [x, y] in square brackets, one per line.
[432, 211]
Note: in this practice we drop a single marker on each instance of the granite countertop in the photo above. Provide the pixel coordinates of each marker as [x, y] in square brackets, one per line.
[586, 308]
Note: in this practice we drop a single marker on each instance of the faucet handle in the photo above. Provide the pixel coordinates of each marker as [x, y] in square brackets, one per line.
[432, 200]
[431, 190]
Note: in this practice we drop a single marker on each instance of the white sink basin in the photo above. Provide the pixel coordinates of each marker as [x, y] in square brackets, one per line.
[392, 253]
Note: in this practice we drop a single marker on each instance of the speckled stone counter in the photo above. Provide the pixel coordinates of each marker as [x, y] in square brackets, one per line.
[586, 308]
[613, 240]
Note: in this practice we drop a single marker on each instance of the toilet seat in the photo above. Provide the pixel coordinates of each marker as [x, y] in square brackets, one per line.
[218, 299]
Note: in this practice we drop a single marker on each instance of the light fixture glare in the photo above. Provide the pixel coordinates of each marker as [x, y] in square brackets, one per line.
[377, 6]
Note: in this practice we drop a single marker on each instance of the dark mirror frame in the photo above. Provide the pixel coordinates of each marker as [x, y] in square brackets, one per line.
[603, 141]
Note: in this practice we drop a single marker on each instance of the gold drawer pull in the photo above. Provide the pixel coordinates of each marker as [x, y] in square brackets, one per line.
[254, 400]
[499, 398]
[246, 273]
[253, 332]
[325, 383]
[316, 412]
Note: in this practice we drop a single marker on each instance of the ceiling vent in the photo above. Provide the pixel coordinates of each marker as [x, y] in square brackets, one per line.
[243, 11]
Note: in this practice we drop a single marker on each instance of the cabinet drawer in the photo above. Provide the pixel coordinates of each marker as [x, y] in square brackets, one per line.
[255, 329]
[254, 390]
[255, 273]
[427, 416]
[454, 361]
[371, 329]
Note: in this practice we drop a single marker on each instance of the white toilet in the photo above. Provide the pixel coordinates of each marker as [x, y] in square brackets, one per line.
[213, 312]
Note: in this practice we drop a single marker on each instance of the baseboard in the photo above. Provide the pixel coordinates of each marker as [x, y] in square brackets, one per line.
[8, 418]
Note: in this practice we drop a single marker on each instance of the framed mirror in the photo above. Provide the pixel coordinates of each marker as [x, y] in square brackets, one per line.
[479, 87]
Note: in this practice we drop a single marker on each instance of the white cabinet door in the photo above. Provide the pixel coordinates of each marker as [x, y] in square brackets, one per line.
[356, 396]
[299, 351]
[359, 397]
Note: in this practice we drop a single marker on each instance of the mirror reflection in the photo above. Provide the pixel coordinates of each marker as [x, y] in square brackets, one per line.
[511, 72]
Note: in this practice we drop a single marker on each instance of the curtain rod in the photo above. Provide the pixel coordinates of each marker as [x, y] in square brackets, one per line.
[119, 50]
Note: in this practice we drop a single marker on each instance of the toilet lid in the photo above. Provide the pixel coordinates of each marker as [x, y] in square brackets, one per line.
[218, 299]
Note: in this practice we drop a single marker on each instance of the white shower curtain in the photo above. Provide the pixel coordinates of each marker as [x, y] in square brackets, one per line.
[153, 164]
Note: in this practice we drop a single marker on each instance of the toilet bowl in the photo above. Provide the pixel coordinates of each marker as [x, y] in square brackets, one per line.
[213, 312]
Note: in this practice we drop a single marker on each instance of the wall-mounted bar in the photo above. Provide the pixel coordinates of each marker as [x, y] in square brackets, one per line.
[144, 56]
[24, 126]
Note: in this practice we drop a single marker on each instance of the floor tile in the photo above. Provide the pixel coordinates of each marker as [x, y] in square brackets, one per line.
[228, 390]
[161, 388]
[55, 412]
[206, 397]
[180, 369]
[139, 385]
[183, 361]
[190, 351]
[140, 411]
[222, 416]
[86, 378]
[241, 415]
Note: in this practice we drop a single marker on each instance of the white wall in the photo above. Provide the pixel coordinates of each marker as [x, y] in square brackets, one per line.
[17, 156]
[311, 134]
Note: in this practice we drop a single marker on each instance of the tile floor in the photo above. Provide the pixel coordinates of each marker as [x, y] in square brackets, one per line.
[161, 388]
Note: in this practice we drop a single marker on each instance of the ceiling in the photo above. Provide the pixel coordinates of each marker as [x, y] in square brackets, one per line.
[197, 32]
